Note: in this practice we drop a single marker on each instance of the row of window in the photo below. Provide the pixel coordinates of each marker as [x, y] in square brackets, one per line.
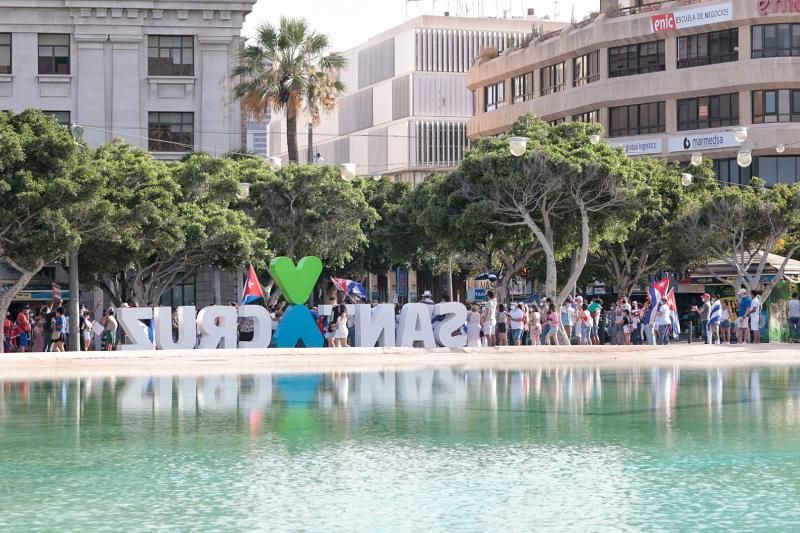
[772, 169]
[768, 40]
[167, 131]
[167, 55]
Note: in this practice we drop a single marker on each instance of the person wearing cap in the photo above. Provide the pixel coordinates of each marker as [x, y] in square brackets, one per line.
[754, 314]
[490, 318]
[704, 311]
[743, 322]
[428, 301]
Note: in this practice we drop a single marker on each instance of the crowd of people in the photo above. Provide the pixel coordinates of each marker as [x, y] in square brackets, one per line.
[577, 321]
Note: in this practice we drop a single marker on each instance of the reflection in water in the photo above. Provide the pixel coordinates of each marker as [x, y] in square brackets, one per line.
[364, 450]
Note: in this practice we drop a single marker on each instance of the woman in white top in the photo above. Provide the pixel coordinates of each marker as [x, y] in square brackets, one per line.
[341, 331]
[755, 316]
[474, 328]
[535, 326]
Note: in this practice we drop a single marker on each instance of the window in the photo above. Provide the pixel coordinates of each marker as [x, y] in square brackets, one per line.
[592, 117]
[637, 119]
[169, 55]
[494, 96]
[440, 143]
[778, 169]
[776, 40]
[552, 79]
[729, 171]
[708, 112]
[522, 87]
[708, 48]
[179, 295]
[170, 132]
[586, 68]
[5, 53]
[62, 117]
[779, 105]
[636, 59]
[53, 53]
[556, 122]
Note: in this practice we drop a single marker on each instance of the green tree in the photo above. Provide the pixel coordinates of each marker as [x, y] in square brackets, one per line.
[288, 69]
[741, 227]
[310, 210]
[660, 208]
[45, 178]
[564, 190]
[168, 221]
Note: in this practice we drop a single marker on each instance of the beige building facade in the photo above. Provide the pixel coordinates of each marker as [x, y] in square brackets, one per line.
[668, 79]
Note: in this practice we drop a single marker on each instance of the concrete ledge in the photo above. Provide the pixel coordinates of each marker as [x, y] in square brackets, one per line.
[218, 362]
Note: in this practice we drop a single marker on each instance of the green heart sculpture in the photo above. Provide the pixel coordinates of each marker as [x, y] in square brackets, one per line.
[296, 282]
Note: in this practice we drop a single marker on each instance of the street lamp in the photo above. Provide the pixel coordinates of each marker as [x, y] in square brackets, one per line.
[697, 159]
[744, 158]
[686, 179]
[377, 177]
[77, 131]
[244, 190]
[275, 163]
[780, 148]
[740, 134]
[517, 145]
[594, 138]
[348, 171]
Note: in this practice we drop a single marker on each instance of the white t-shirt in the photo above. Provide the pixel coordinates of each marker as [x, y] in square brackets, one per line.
[664, 319]
[571, 315]
[517, 317]
[755, 312]
[490, 312]
[794, 308]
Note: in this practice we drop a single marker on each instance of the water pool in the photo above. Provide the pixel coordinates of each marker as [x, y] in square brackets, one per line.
[552, 449]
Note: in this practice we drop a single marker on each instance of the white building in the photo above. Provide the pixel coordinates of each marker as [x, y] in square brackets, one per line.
[154, 72]
[407, 102]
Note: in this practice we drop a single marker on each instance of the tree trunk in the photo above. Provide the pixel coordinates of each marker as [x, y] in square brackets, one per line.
[291, 135]
[75, 336]
[8, 296]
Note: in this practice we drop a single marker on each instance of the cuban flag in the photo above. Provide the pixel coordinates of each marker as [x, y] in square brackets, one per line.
[252, 288]
[348, 286]
[657, 290]
[714, 318]
[676, 323]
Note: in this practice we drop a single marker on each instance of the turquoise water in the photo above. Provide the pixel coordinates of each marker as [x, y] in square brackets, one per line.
[432, 450]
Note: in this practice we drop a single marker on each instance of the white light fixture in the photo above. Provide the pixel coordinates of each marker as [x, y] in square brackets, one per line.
[76, 130]
[744, 158]
[348, 171]
[244, 190]
[740, 134]
[594, 138]
[686, 179]
[377, 177]
[780, 148]
[697, 159]
[517, 145]
[275, 163]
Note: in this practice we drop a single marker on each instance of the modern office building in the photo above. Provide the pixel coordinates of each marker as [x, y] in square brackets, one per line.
[407, 104]
[667, 79]
[153, 72]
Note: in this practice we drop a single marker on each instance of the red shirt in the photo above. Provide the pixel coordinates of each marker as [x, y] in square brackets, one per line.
[23, 322]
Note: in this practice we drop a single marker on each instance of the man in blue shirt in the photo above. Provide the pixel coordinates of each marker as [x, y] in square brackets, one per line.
[742, 325]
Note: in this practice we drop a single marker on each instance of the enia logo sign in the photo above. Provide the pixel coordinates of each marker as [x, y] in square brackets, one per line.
[689, 18]
[217, 324]
[778, 6]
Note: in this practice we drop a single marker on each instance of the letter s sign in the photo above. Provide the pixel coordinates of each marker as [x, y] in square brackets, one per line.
[663, 22]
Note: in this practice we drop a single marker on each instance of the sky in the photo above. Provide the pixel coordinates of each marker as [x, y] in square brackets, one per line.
[349, 23]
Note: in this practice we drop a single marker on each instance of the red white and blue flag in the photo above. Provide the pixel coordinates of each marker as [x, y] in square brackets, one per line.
[676, 323]
[348, 286]
[252, 288]
[657, 291]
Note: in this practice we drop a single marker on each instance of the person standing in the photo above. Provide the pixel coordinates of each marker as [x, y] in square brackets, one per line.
[502, 326]
[627, 327]
[596, 311]
[517, 316]
[648, 323]
[743, 325]
[793, 312]
[490, 318]
[755, 316]
[568, 317]
[704, 312]
[24, 325]
[552, 322]
[474, 327]
[535, 322]
[340, 321]
[59, 330]
[110, 333]
[663, 321]
[725, 324]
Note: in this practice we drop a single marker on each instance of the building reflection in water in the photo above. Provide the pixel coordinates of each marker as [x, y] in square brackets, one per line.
[440, 401]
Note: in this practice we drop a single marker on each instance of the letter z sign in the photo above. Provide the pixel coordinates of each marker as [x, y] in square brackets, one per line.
[663, 22]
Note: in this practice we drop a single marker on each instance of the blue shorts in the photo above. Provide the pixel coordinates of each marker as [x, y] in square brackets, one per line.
[516, 334]
[23, 340]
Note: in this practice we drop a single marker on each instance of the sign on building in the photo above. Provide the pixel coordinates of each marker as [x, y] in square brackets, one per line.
[690, 18]
[702, 141]
[640, 146]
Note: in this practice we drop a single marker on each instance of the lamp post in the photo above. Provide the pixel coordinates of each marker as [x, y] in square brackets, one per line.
[275, 163]
[517, 145]
[348, 171]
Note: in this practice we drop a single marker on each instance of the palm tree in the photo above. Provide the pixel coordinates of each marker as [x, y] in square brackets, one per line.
[286, 69]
